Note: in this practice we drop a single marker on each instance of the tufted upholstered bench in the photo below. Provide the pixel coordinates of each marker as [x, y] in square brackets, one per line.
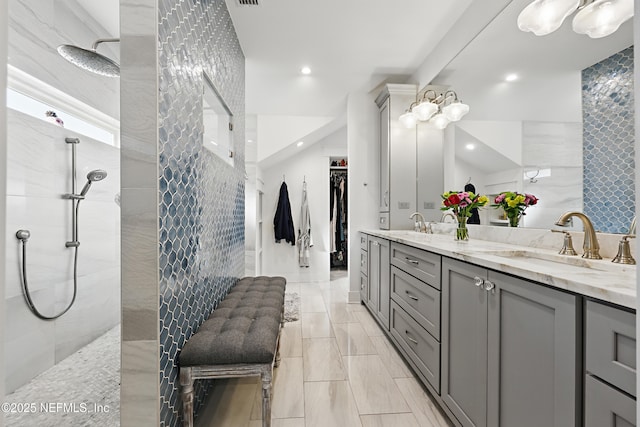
[240, 338]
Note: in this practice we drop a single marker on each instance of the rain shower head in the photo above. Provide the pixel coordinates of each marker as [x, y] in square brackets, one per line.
[93, 176]
[89, 59]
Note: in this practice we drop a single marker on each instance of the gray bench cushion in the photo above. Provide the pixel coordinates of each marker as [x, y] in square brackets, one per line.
[243, 329]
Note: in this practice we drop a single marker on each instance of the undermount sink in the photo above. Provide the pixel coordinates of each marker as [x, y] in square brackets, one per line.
[574, 263]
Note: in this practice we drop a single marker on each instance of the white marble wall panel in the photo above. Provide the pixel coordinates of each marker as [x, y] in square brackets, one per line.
[98, 293]
[39, 173]
[139, 388]
[35, 31]
[3, 164]
[551, 144]
[29, 343]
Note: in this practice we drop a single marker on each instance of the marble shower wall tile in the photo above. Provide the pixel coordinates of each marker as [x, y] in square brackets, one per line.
[35, 31]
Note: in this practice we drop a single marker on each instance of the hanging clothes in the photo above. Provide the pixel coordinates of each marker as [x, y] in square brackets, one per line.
[283, 221]
[304, 230]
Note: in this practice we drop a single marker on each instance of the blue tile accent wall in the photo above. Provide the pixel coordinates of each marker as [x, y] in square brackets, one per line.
[201, 198]
[608, 141]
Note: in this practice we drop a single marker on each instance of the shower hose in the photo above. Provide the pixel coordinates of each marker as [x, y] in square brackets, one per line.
[25, 286]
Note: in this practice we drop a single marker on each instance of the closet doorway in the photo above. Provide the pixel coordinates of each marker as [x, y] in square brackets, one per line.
[338, 213]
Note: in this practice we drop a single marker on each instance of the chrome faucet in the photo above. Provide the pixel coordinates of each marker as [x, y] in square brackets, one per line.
[419, 223]
[590, 246]
[446, 214]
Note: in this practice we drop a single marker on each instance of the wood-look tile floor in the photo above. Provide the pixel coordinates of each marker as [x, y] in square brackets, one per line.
[338, 369]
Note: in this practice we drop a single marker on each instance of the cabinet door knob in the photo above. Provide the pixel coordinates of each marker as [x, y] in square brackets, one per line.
[479, 281]
[489, 286]
[409, 338]
[375, 243]
[412, 261]
[413, 297]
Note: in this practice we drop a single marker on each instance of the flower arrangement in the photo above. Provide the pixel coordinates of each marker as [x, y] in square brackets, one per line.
[514, 205]
[461, 203]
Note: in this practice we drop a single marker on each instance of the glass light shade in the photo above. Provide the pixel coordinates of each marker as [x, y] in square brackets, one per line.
[545, 16]
[425, 110]
[440, 121]
[408, 119]
[602, 17]
[455, 111]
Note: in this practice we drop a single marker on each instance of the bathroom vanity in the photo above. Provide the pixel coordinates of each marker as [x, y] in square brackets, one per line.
[506, 335]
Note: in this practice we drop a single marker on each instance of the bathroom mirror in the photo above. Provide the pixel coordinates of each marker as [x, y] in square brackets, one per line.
[551, 116]
[218, 122]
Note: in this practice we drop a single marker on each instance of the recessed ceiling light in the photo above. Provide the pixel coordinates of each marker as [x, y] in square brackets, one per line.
[470, 147]
[511, 77]
[305, 70]
[299, 144]
[249, 141]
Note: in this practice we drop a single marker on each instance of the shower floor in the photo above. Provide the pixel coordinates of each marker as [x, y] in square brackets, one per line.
[81, 391]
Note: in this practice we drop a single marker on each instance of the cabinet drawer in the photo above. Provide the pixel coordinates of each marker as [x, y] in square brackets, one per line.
[364, 261]
[604, 406]
[421, 264]
[418, 299]
[364, 287]
[417, 343]
[363, 241]
[611, 345]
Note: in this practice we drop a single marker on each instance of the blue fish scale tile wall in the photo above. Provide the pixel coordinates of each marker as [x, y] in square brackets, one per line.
[201, 215]
[608, 141]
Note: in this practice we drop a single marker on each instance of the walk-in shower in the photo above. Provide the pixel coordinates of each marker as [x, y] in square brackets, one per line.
[75, 197]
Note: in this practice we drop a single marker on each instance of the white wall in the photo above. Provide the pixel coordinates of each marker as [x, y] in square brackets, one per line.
[38, 173]
[277, 132]
[312, 164]
[364, 180]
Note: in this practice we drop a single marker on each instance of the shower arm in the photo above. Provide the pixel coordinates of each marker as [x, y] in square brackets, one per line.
[94, 47]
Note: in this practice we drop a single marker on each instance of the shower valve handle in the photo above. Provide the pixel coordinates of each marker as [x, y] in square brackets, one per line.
[23, 235]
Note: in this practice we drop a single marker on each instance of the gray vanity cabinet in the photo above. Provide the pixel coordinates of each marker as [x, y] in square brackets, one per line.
[610, 364]
[364, 268]
[378, 279]
[397, 198]
[509, 350]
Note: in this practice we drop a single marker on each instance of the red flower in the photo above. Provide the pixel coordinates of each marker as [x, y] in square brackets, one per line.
[453, 199]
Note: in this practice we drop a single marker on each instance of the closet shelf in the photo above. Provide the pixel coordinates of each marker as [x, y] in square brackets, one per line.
[338, 168]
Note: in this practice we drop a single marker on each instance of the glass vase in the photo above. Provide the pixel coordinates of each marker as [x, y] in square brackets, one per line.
[514, 220]
[462, 232]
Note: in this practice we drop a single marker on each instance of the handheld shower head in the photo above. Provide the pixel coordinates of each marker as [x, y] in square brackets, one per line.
[93, 176]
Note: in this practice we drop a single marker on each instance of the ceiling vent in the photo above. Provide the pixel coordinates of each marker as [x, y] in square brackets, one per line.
[248, 2]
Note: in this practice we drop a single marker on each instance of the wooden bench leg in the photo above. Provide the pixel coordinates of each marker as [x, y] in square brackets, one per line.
[266, 398]
[186, 382]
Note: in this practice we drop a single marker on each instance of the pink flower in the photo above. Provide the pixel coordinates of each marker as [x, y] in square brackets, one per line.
[500, 198]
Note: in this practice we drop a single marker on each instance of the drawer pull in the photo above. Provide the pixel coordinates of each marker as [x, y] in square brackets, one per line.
[412, 261]
[413, 297]
[375, 243]
[479, 281]
[409, 338]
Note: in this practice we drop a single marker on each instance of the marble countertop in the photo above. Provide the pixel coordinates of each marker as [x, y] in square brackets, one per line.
[600, 279]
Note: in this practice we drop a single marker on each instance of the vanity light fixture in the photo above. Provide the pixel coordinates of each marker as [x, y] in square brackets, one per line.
[438, 109]
[595, 18]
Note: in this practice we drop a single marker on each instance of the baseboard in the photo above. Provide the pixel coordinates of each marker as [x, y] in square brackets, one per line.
[354, 297]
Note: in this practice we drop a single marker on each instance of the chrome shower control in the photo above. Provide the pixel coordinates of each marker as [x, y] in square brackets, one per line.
[23, 235]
